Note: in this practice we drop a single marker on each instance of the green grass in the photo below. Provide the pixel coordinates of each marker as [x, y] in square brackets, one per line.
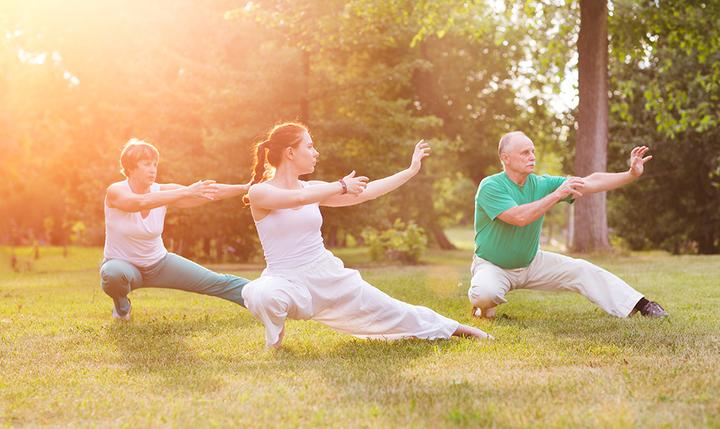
[194, 361]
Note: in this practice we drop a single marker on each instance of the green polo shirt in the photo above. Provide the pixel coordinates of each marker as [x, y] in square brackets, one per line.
[505, 245]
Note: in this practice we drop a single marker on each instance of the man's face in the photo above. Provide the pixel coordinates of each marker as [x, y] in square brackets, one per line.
[519, 157]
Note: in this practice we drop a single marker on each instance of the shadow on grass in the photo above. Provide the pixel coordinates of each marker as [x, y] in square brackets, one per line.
[162, 349]
[583, 329]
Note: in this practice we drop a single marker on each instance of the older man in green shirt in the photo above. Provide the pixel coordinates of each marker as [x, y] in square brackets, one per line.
[509, 211]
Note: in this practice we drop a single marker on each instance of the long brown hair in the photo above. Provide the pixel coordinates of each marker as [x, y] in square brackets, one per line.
[268, 153]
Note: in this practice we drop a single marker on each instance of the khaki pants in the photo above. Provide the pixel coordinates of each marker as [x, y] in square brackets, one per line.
[552, 272]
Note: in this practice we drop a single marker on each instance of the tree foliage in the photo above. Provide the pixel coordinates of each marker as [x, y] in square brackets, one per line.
[204, 80]
[665, 87]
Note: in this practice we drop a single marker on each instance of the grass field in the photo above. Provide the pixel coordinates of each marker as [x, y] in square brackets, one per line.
[193, 361]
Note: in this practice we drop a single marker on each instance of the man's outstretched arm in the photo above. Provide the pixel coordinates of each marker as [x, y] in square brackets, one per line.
[526, 214]
[601, 182]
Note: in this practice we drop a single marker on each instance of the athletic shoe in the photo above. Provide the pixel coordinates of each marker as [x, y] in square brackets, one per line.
[125, 317]
[654, 310]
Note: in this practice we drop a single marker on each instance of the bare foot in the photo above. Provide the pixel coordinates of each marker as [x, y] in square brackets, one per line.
[470, 332]
[488, 313]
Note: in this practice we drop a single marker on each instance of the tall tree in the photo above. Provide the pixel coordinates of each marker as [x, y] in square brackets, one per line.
[591, 232]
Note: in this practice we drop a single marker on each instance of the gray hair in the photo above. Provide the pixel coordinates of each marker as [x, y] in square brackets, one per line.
[506, 140]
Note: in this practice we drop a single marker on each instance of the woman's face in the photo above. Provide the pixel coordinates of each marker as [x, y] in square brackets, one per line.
[305, 156]
[144, 172]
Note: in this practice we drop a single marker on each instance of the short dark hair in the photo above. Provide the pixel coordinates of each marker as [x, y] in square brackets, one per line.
[133, 152]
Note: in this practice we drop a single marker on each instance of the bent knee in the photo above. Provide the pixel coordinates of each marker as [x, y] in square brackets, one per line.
[114, 280]
[278, 297]
[486, 296]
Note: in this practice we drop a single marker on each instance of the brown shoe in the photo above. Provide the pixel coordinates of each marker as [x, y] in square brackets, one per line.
[654, 310]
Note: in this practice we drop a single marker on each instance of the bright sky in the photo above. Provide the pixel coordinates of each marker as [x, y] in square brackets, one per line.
[568, 98]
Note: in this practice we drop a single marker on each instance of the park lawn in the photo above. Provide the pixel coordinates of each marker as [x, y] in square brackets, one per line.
[190, 360]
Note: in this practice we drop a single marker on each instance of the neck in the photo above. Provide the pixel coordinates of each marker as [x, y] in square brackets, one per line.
[286, 177]
[139, 186]
[516, 177]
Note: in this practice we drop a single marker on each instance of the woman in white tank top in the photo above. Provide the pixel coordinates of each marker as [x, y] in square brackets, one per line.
[135, 255]
[303, 280]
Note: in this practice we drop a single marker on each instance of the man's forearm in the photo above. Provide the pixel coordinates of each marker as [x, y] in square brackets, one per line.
[601, 182]
[526, 214]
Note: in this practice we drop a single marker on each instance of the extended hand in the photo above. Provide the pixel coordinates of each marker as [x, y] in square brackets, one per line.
[637, 162]
[422, 149]
[571, 186]
[203, 189]
[355, 185]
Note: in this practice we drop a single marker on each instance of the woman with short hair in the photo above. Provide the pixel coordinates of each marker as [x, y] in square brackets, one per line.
[303, 280]
[134, 254]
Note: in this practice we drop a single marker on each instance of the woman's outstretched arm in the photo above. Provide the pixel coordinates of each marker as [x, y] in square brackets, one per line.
[266, 196]
[120, 197]
[380, 187]
[223, 192]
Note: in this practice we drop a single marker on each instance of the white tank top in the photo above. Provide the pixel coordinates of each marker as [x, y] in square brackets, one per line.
[291, 237]
[131, 238]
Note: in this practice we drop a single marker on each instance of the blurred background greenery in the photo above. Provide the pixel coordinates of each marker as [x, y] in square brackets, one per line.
[203, 80]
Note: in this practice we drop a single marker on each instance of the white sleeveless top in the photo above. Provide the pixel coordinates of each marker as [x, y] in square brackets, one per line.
[291, 237]
[131, 238]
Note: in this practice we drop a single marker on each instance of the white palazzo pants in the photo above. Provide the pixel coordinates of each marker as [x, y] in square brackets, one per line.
[325, 291]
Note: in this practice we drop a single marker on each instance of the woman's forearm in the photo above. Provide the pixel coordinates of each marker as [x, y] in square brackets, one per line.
[132, 202]
[230, 191]
[380, 187]
[375, 189]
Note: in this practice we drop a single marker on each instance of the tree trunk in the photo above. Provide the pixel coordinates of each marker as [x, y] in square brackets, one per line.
[706, 244]
[427, 87]
[219, 250]
[570, 227]
[591, 232]
[331, 236]
[305, 98]
[440, 237]
[206, 249]
[430, 94]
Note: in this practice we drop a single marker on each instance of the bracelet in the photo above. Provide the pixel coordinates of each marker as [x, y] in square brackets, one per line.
[344, 186]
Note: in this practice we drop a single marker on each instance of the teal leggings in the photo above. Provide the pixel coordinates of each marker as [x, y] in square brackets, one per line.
[119, 278]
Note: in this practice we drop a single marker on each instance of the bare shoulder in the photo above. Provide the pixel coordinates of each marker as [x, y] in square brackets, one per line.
[259, 187]
[115, 192]
[116, 187]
